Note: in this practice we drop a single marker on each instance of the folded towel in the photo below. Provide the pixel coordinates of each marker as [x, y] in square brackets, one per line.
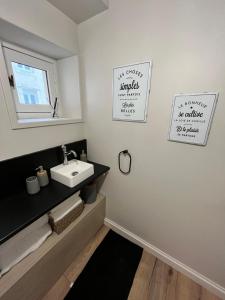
[29, 229]
[65, 207]
[23, 243]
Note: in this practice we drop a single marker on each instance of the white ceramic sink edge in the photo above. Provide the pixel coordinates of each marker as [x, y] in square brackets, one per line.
[72, 174]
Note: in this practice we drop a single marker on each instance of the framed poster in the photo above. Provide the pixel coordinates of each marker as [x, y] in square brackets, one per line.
[131, 87]
[191, 117]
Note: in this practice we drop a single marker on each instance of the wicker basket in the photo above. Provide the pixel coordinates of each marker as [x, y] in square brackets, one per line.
[63, 223]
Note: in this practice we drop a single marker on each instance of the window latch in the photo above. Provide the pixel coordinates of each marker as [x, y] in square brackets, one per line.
[11, 81]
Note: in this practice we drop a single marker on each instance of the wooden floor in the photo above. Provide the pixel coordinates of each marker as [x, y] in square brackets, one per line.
[154, 280]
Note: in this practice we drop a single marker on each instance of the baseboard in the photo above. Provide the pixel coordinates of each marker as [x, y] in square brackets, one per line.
[176, 264]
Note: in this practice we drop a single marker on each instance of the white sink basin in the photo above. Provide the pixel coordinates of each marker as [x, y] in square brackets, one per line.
[73, 173]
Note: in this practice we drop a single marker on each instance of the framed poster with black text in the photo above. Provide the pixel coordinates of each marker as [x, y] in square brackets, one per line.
[191, 117]
[131, 88]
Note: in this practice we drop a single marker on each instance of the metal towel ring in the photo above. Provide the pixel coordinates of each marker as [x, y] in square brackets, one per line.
[124, 152]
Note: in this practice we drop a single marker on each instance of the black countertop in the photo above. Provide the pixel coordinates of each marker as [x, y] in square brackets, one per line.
[19, 210]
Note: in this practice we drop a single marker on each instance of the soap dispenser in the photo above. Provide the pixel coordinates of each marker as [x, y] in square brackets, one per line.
[83, 156]
[42, 176]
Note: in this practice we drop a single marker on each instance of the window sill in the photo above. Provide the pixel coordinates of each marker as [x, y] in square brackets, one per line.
[31, 123]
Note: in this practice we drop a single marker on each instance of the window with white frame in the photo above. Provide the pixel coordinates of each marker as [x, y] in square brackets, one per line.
[33, 83]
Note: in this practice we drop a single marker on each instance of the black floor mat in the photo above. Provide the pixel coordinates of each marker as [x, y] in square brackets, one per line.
[110, 272]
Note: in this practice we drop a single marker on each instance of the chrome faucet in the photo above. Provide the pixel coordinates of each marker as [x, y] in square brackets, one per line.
[65, 154]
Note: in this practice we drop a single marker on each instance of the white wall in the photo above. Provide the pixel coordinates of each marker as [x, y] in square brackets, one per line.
[44, 20]
[41, 18]
[69, 86]
[174, 196]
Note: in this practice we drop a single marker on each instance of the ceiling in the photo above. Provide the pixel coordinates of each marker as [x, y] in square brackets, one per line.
[80, 10]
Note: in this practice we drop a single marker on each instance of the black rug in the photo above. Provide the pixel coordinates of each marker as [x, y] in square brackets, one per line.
[110, 272]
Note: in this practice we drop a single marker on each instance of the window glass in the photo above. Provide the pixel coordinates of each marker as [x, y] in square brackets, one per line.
[31, 84]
